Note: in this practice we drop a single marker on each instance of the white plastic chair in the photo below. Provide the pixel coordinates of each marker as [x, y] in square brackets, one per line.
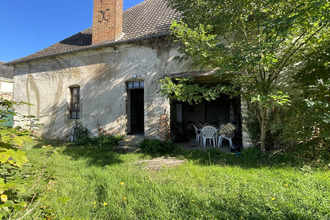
[209, 133]
[227, 136]
[198, 133]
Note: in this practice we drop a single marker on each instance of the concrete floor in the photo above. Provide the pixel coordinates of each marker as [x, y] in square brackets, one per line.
[191, 145]
[194, 145]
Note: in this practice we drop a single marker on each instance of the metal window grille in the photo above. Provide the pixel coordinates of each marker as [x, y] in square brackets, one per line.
[136, 85]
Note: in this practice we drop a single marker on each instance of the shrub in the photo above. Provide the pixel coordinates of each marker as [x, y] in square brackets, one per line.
[282, 157]
[158, 147]
[272, 133]
[81, 135]
[251, 153]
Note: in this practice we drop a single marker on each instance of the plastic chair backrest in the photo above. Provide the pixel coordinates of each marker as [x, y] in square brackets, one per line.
[196, 129]
[209, 131]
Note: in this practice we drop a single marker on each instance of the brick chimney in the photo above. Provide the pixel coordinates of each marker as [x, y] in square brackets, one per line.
[107, 20]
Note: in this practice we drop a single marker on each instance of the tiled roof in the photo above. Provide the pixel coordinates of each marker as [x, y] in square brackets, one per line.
[6, 71]
[146, 20]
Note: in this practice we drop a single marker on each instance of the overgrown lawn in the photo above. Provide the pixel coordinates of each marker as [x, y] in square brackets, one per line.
[92, 183]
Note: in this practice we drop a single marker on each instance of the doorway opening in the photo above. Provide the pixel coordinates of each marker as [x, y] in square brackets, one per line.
[188, 120]
[135, 107]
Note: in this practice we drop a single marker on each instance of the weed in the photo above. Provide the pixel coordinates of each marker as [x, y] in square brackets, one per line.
[251, 153]
[81, 134]
[156, 147]
[105, 141]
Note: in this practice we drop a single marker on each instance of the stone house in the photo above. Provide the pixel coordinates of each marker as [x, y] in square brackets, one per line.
[107, 77]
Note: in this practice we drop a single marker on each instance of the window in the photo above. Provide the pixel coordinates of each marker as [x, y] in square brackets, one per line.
[136, 85]
[75, 102]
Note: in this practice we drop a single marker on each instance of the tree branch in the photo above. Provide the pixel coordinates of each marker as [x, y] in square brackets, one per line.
[298, 48]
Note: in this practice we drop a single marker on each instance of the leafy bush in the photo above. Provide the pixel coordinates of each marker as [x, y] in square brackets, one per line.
[251, 153]
[19, 183]
[282, 157]
[81, 135]
[272, 133]
[158, 147]
[305, 129]
[305, 125]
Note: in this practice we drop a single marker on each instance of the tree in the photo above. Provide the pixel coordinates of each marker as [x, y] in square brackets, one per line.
[260, 44]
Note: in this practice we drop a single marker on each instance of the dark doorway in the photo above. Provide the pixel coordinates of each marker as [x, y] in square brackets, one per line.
[137, 110]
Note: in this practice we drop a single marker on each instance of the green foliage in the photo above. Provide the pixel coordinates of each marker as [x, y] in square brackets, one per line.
[273, 139]
[251, 153]
[309, 119]
[14, 180]
[157, 147]
[305, 130]
[186, 90]
[81, 136]
[282, 157]
[105, 141]
[261, 44]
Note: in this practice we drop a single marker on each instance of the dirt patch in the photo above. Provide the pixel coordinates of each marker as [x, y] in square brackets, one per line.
[160, 163]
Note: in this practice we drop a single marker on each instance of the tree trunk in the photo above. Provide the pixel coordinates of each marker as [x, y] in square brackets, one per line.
[263, 129]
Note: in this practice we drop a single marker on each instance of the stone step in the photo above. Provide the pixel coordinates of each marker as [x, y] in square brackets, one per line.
[127, 149]
[131, 140]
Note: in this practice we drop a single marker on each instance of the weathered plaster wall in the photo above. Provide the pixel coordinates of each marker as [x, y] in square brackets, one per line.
[6, 88]
[102, 76]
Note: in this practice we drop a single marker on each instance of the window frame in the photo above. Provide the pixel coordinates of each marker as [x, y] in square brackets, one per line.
[74, 103]
[135, 85]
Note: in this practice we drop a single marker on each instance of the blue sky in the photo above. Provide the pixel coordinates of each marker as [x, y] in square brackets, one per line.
[27, 26]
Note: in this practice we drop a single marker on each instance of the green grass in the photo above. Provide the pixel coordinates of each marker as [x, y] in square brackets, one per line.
[91, 183]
